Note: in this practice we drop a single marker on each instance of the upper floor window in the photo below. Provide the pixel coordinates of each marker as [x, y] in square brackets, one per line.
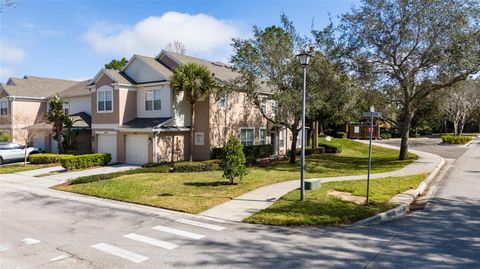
[274, 107]
[222, 102]
[153, 100]
[66, 108]
[263, 106]
[246, 137]
[3, 106]
[105, 100]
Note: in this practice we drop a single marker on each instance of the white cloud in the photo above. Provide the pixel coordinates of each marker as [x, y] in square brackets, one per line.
[10, 54]
[202, 35]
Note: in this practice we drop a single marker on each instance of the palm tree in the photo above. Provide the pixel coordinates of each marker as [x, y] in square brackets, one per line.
[194, 80]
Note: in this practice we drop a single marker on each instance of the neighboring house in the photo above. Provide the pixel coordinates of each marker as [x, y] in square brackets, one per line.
[23, 102]
[138, 119]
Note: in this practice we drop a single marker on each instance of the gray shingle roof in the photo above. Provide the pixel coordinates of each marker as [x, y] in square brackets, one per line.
[31, 86]
[77, 89]
[118, 76]
[141, 123]
[219, 70]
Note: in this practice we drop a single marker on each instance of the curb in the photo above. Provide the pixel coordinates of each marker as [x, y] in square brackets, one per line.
[406, 199]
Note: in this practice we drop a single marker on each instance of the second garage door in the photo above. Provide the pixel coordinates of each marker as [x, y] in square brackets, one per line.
[108, 144]
[137, 149]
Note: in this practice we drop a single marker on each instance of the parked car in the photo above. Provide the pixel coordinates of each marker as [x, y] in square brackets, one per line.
[14, 152]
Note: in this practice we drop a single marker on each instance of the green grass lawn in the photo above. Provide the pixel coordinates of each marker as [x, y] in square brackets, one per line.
[199, 191]
[319, 208]
[14, 168]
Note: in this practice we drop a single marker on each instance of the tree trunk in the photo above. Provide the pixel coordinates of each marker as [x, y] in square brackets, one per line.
[293, 146]
[192, 131]
[407, 119]
[455, 127]
[25, 156]
[461, 125]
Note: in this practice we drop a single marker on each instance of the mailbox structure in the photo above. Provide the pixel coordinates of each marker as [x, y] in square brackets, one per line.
[359, 130]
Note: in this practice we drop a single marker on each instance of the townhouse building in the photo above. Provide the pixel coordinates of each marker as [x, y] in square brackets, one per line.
[134, 115]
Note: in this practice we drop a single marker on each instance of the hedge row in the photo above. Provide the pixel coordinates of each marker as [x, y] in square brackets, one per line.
[386, 136]
[309, 151]
[331, 148]
[340, 135]
[152, 168]
[450, 139]
[195, 166]
[46, 158]
[252, 153]
[85, 161]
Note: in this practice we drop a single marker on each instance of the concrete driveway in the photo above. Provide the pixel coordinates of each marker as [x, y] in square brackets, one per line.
[39, 230]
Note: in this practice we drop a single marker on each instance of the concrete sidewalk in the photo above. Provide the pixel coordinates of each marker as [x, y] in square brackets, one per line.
[245, 205]
[27, 177]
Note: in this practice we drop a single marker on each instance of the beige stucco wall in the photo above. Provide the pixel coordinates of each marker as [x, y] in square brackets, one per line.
[25, 113]
[238, 113]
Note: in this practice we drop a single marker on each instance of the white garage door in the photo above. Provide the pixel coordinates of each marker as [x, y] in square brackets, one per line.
[137, 149]
[108, 144]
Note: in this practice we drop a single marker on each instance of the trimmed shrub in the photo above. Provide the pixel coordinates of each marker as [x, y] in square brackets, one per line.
[85, 161]
[195, 166]
[386, 136]
[4, 137]
[340, 135]
[46, 158]
[309, 151]
[217, 153]
[252, 153]
[331, 148]
[450, 139]
[233, 160]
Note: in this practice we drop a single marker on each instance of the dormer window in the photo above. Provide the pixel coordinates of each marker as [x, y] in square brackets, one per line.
[3, 106]
[105, 100]
[66, 108]
[153, 100]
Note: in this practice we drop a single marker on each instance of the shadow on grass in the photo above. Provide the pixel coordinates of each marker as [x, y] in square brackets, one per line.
[210, 184]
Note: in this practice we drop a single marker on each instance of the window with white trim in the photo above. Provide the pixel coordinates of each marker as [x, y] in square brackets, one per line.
[199, 138]
[247, 137]
[3, 106]
[153, 100]
[105, 100]
[263, 136]
[66, 107]
[274, 107]
[222, 102]
[263, 106]
[281, 138]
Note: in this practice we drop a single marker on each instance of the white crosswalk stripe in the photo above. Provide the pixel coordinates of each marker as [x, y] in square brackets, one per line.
[120, 252]
[30, 241]
[201, 224]
[178, 232]
[61, 257]
[151, 241]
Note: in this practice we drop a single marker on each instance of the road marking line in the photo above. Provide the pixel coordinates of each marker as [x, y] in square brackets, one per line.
[120, 252]
[151, 241]
[30, 241]
[61, 257]
[201, 224]
[4, 247]
[178, 232]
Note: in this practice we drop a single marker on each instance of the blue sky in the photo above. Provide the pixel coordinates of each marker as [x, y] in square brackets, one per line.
[73, 39]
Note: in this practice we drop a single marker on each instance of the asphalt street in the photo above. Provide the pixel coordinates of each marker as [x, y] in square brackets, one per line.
[42, 231]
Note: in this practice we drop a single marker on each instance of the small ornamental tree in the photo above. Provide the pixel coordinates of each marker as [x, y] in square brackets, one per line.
[233, 160]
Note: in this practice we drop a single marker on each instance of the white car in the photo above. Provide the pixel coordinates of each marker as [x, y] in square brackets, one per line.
[14, 152]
